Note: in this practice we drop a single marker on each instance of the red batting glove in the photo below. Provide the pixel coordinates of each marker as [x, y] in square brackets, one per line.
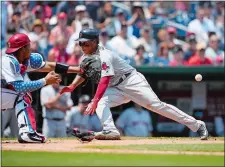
[90, 110]
[69, 88]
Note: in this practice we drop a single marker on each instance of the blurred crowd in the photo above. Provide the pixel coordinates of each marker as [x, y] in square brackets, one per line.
[154, 33]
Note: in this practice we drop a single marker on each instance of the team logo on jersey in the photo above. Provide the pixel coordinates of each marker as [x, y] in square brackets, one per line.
[105, 66]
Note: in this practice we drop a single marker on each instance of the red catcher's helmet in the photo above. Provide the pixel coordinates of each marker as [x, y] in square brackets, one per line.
[16, 42]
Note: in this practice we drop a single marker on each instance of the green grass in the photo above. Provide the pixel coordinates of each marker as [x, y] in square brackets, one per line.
[168, 147]
[19, 158]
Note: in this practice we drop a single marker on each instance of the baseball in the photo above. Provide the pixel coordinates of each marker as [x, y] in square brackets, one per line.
[198, 77]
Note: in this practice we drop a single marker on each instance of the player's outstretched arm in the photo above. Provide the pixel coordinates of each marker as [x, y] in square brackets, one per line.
[76, 82]
[60, 68]
[102, 86]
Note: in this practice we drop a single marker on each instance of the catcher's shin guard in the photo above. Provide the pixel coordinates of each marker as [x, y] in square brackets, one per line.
[25, 114]
[26, 121]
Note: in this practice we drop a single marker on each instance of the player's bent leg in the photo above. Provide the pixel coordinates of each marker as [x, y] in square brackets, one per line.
[112, 98]
[139, 91]
[26, 122]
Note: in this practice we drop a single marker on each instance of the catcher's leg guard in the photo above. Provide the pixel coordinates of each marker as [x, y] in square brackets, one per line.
[26, 121]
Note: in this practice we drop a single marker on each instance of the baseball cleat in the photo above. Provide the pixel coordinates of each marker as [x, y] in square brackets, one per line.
[31, 138]
[202, 131]
[107, 135]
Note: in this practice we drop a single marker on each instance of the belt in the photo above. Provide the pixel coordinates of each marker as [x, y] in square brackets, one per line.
[55, 119]
[124, 76]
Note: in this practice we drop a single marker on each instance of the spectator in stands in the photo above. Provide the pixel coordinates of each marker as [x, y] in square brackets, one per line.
[201, 26]
[200, 58]
[124, 45]
[34, 45]
[92, 8]
[42, 11]
[219, 23]
[106, 19]
[178, 57]
[213, 52]
[15, 26]
[80, 22]
[218, 10]
[163, 35]
[68, 8]
[121, 19]
[181, 5]
[135, 121]
[104, 39]
[11, 7]
[75, 118]
[76, 56]
[157, 19]
[207, 6]
[58, 52]
[141, 57]
[54, 110]
[27, 17]
[61, 29]
[138, 19]
[163, 55]
[147, 41]
[191, 40]
[39, 30]
[81, 13]
[172, 32]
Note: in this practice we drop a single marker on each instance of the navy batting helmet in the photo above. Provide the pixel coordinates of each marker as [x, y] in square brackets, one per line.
[88, 34]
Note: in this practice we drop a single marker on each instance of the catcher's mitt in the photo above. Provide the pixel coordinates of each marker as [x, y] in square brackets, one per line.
[92, 68]
[87, 136]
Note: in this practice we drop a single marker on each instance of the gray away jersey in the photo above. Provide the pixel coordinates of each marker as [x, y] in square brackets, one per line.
[112, 65]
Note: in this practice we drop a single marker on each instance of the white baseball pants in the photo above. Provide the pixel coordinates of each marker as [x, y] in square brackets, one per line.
[136, 88]
[23, 110]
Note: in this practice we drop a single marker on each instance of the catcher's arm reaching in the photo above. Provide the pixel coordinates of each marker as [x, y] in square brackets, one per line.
[60, 68]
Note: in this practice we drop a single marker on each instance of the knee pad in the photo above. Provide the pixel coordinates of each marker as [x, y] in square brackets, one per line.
[25, 114]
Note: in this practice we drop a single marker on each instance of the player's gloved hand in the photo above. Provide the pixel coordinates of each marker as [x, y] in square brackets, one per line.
[52, 78]
[90, 110]
[69, 88]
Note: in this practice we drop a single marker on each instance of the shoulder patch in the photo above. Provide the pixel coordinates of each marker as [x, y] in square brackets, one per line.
[36, 60]
[15, 64]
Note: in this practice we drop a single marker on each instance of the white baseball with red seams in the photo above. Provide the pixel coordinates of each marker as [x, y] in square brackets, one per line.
[133, 88]
[198, 77]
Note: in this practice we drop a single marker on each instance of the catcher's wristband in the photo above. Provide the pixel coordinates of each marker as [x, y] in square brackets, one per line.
[61, 68]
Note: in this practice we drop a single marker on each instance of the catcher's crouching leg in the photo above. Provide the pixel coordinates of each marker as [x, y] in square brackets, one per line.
[26, 121]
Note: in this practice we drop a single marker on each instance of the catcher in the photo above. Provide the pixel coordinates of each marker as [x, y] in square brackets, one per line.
[120, 83]
[16, 86]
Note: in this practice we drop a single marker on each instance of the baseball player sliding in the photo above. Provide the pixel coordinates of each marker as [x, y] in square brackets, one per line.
[16, 85]
[120, 83]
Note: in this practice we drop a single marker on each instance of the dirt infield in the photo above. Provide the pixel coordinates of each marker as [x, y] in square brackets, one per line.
[73, 145]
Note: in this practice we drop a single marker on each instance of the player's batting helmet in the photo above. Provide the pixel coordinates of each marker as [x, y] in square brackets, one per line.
[16, 42]
[88, 34]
